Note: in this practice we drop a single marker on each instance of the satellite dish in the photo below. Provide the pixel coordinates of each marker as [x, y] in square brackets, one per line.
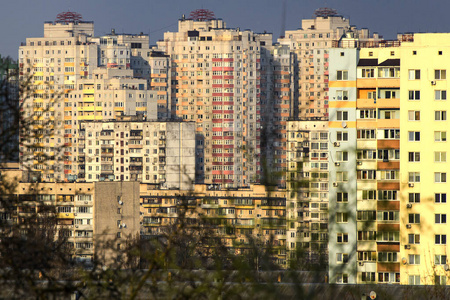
[120, 202]
[404, 261]
[446, 268]
[373, 295]
[344, 124]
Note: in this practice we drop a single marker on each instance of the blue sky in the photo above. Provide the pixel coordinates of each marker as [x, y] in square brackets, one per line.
[24, 18]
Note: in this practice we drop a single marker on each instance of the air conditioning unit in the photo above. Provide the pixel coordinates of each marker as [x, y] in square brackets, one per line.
[337, 164]
[337, 144]
[408, 226]
[361, 263]
[433, 82]
[407, 247]
[335, 184]
[409, 205]
[411, 184]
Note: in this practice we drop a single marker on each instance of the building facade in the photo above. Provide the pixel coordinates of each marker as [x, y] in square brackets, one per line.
[158, 153]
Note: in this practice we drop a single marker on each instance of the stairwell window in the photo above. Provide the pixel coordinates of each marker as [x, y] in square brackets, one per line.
[342, 75]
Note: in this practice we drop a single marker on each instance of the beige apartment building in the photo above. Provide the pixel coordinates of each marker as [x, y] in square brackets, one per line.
[307, 189]
[153, 152]
[215, 81]
[233, 215]
[75, 77]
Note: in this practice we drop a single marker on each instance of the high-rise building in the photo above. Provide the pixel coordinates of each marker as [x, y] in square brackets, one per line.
[215, 81]
[424, 145]
[153, 152]
[307, 190]
[74, 77]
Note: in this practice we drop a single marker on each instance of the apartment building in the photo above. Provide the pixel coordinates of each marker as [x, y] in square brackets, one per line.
[153, 152]
[307, 189]
[233, 215]
[74, 77]
[310, 45]
[365, 178]
[423, 160]
[215, 81]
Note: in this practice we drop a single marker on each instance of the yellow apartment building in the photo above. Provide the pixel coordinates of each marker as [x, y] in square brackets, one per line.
[423, 159]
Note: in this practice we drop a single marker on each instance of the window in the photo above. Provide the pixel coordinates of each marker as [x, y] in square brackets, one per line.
[367, 256]
[414, 115]
[440, 218]
[414, 95]
[341, 217]
[341, 136]
[392, 72]
[389, 175]
[440, 177]
[342, 278]
[440, 156]
[440, 279]
[389, 154]
[342, 258]
[367, 235]
[341, 156]
[414, 279]
[342, 197]
[366, 154]
[366, 174]
[342, 95]
[387, 256]
[414, 218]
[369, 195]
[440, 198]
[440, 95]
[413, 238]
[440, 239]
[413, 156]
[367, 276]
[440, 74]
[342, 115]
[367, 73]
[440, 136]
[388, 215]
[392, 133]
[388, 236]
[440, 115]
[414, 259]
[414, 198]
[366, 215]
[342, 237]
[367, 114]
[414, 136]
[387, 195]
[342, 176]
[366, 134]
[342, 75]
[440, 259]
[414, 177]
[414, 74]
